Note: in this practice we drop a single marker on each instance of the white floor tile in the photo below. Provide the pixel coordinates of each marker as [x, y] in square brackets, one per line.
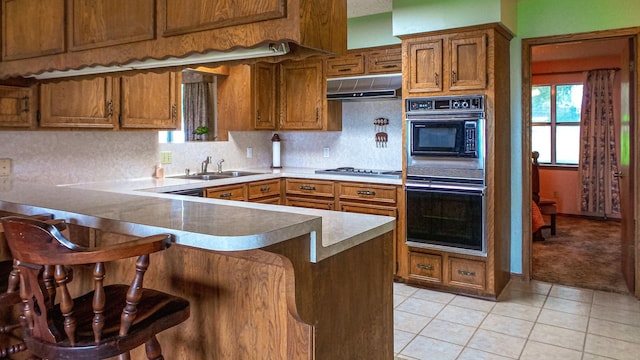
[518, 311]
[553, 335]
[618, 301]
[616, 349]
[572, 293]
[456, 314]
[447, 331]
[473, 354]
[507, 325]
[425, 348]
[473, 303]
[564, 320]
[615, 330]
[401, 339]
[538, 351]
[435, 296]
[606, 312]
[409, 322]
[523, 298]
[568, 306]
[496, 343]
[420, 307]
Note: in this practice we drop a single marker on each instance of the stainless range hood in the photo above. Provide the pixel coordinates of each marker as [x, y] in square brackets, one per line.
[365, 87]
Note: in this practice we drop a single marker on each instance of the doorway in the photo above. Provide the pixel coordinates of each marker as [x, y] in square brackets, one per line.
[597, 44]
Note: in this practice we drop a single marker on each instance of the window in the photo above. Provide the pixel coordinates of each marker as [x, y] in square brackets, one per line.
[555, 120]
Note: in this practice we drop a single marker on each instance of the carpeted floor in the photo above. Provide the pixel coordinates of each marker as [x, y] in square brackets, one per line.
[583, 253]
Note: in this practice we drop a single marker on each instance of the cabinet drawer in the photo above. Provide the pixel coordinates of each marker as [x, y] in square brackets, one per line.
[369, 192]
[467, 273]
[385, 61]
[426, 267]
[263, 189]
[231, 192]
[345, 66]
[368, 209]
[310, 187]
[310, 203]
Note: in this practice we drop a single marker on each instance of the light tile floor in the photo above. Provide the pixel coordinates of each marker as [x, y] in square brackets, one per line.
[533, 320]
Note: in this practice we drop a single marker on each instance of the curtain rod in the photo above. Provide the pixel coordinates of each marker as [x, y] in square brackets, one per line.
[572, 72]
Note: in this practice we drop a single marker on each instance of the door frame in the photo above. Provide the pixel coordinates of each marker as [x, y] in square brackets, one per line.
[527, 44]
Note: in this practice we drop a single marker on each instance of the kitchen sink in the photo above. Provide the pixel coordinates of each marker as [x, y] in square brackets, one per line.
[214, 175]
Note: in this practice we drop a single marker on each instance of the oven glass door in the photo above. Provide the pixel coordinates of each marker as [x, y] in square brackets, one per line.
[437, 138]
[445, 217]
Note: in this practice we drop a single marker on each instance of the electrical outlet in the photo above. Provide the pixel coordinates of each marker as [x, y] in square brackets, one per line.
[5, 167]
[166, 157]
[249, 153]
[325, 152]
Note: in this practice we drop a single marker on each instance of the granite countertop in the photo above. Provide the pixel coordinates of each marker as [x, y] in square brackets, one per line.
[139, 207]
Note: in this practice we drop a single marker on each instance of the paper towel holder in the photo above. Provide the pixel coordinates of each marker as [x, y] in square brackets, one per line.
[275, 140]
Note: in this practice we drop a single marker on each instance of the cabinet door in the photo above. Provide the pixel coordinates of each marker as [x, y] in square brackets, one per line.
[264, 189]
[467, 273]
[98, 23]
[424, 66]
[150, 101]
[385, 61]
[310, 187]
[312, 203]
[176, 18]
[425, 267]
[15, 107]
[32, 28]
[78, 103]
[468, 62]
[368, 192]
[301, 95]
[348, 65]
[265, 83]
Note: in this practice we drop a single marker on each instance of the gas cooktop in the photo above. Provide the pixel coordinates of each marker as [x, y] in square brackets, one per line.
[351, 171]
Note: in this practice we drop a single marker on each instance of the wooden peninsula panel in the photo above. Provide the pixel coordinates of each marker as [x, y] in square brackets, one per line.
[274, 303]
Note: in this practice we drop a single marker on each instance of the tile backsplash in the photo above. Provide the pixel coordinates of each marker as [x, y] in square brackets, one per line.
[62, 157]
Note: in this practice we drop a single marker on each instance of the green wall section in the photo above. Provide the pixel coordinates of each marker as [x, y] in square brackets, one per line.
[538, 18]
[369, 31]
[417, 16]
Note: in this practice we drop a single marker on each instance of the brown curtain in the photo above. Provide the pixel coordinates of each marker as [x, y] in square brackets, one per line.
[196, 112]
[600, 194]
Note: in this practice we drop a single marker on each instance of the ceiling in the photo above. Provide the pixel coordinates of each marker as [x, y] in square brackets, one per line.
[357, 8]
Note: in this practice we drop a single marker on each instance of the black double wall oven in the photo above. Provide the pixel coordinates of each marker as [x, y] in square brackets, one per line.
[445, 187]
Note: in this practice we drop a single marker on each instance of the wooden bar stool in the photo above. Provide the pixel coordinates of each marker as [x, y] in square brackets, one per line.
[547, 206]
[108, 321]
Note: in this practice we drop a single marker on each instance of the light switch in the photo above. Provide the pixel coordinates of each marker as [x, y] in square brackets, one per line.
[325, 152]
[249, 153]
[165, 157]
[5, 167]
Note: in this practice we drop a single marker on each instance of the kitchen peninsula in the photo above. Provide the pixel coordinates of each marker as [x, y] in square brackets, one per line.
[262, 279]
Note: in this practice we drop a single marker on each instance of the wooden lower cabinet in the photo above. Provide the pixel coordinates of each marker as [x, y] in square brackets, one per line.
[229, 192]
[458, 273]
[266, 192]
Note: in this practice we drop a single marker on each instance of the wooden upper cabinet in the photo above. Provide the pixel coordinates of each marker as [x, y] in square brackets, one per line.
[424, 65]
[98, 23]
[88, 103]
[449, 62]
[179, 18]
[32, 28]
[265, 85]
[387, 60]
[468, 62]
[348, 65]
[150, 101]
[302, 95]
[16, 107]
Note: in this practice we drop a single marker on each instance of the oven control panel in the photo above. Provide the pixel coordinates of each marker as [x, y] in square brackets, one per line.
[446, 103]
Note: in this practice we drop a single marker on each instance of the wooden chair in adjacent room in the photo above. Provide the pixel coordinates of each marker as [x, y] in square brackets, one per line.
[108, 321]
[547, 206]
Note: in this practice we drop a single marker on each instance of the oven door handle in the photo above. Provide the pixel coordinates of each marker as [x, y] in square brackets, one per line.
[448, 189]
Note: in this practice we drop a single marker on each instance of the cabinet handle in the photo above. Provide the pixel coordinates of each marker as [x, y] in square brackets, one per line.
[317, 114]
[345, 69]
[265, 188]
[425, 267]
[226, 195]
[307, 187]
[174, 112]
[437, 79]
[26, 104]
[110, 108]
[453, 77]
[366, 192]
[258, 114]
[466, 273]
[389, 66]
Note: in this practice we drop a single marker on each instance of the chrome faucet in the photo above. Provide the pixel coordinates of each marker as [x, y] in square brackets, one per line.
[220, 165]
[205, 163]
